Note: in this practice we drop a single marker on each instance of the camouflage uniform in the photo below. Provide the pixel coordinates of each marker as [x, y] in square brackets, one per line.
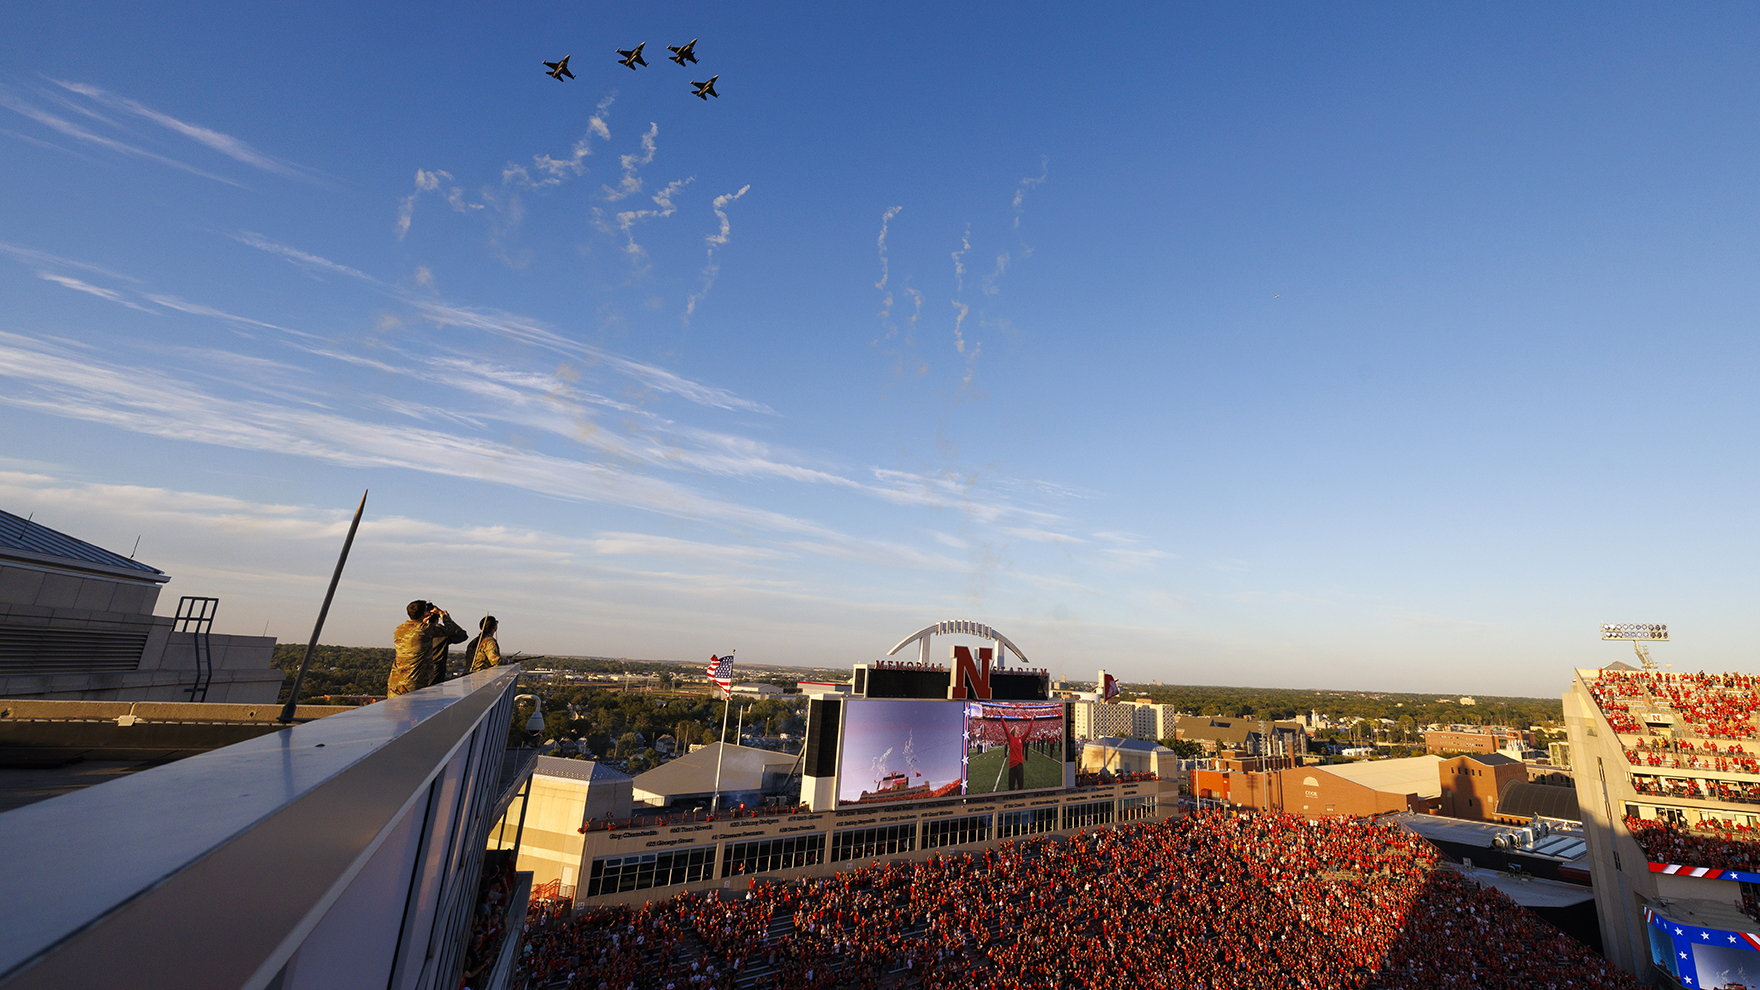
[421, 653]
[488, 654]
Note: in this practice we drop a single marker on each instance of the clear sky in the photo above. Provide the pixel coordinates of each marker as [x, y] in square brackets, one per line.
[1356, 346]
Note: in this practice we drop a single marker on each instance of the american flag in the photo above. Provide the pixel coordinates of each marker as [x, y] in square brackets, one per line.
[721, 672]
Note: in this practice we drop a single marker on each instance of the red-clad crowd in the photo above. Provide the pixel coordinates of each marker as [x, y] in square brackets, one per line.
[1717, 705]
[1206, 902]
[1720, 847]
[1684, 755]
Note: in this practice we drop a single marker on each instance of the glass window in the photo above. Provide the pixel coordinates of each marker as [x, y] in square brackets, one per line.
[1029, 822]
[1083, 815]
[771, 855]
[956, 831]
[860, 843]
[1132, 808]
[643, 871]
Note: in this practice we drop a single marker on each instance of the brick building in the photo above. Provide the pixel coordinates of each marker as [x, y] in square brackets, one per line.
[1471, 784]
[1375, 787]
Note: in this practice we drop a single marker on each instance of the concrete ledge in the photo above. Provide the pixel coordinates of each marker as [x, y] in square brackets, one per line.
[26, 709]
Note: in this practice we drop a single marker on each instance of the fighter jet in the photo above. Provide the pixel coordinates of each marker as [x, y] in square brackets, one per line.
[559, 69]
[683, 53]
[633, 57]
[706, 89]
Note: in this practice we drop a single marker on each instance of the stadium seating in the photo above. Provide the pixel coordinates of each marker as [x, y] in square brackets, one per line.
[1212, 900]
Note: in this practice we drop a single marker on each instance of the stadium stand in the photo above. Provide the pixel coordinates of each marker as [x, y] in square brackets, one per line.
[1212, 900]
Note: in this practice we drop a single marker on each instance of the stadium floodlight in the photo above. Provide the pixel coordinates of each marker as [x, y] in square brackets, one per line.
[1638, 633]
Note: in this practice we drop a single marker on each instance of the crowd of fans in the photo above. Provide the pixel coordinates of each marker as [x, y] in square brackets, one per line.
[1209, 901]
[1686, 755]
[1722, 845]
[1720, 706]
[489, 920]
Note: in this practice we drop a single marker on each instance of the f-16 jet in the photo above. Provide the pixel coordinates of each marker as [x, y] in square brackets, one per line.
[683, 53]
[559, 69]
[633, 57]
[706, 89]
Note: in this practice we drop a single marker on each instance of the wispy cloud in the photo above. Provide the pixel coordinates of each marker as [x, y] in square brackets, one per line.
[885, 266]
[30, 256]
[225, 144]
[1042, 535]
[197, 309]
[89, 289]
[552, 171]
[631, 183]
[310, 262]
[13, 102]
[520, 328]
[664, 207]
[960, 309]
[57, 382]
[429, 181]
[1020, 193]
[715, 240]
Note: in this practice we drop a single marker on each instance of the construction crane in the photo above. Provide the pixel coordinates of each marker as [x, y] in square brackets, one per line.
[1638, 633]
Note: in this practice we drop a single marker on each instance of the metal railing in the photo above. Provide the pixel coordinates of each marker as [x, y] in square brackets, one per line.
[339, 852]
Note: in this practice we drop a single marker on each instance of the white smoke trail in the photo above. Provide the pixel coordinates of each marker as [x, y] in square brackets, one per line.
[719, 239]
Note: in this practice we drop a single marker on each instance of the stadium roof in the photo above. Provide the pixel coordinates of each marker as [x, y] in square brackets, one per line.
[587, 770]
[1490, 759]
[1532, 891]
[1524, 799]
[1410, 775]
[1216, 728]
[35, 539]
[743, 768]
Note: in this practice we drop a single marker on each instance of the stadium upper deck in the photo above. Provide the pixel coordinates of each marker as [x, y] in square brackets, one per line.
[1667, 768]
[1688, 741]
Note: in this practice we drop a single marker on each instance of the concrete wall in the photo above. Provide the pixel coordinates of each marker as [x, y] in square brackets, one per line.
[551, 844]
[43, 595]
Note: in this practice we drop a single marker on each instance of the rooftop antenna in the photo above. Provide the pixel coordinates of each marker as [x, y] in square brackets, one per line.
[1638, 633]
[137, 547]
[299, 678]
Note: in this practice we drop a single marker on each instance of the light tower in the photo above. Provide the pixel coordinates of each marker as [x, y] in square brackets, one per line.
[1638, 633]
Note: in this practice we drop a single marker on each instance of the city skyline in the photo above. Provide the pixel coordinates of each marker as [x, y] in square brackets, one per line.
[1381, 348]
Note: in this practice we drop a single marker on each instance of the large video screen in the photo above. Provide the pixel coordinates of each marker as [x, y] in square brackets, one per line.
[898, 750]
[906, 750]
[1013, 746]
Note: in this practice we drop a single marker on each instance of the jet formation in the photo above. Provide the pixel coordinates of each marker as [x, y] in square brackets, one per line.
[632, 57]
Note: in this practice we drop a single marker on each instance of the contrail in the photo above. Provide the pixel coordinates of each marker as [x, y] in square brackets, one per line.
[710, 269]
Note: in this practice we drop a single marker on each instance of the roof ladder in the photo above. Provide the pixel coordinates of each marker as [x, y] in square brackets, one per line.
[195, 616]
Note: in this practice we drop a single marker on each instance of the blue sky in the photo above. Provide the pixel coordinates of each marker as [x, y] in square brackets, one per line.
[1375, 346]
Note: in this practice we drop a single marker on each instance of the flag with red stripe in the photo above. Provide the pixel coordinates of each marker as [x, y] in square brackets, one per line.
[721, 672]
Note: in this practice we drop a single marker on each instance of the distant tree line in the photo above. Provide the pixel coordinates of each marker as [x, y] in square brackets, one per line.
[1409, 710]
[336, 670]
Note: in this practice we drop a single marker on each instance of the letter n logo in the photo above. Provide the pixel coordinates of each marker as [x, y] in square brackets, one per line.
[977, 674]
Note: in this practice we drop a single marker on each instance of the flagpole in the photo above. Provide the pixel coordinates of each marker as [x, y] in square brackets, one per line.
[721, 752]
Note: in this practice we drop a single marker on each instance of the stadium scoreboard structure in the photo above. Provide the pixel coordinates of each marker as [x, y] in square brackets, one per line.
[918, 730]
[921, 759]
